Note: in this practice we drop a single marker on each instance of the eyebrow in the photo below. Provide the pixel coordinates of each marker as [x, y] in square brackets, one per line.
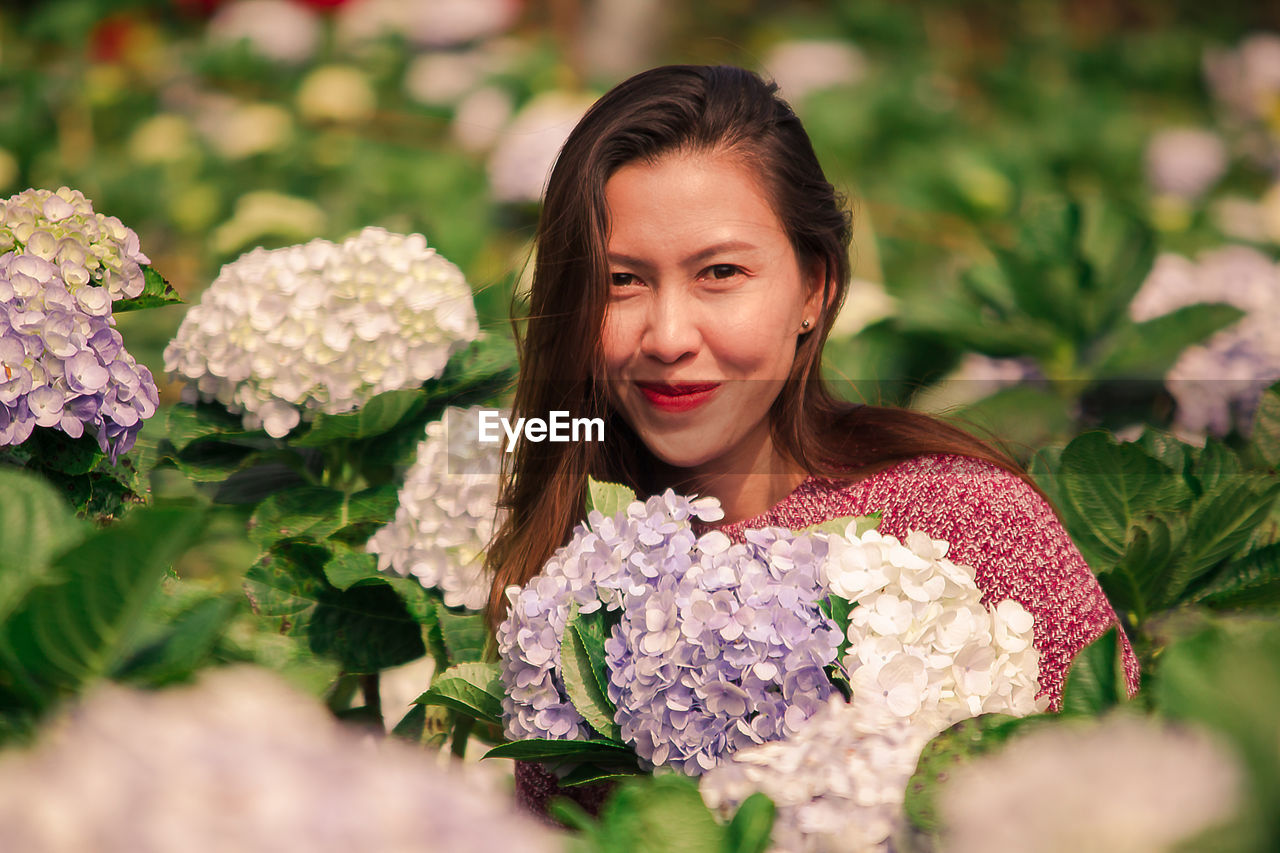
[696, 258]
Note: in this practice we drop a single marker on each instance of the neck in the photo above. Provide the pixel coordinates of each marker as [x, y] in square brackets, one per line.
[747, 488]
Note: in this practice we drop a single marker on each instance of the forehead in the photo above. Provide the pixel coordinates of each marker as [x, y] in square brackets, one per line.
[686, 196]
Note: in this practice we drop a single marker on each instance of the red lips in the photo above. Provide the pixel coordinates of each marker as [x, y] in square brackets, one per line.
[677, 397]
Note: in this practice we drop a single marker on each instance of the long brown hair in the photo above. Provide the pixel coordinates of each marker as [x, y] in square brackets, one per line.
[687, 109]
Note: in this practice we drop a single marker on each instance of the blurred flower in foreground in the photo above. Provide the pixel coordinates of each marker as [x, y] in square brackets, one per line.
[1185, 162]
[242, 762]
[276, 29]
[839, 782]
[322, 327]
[447, 512]
[802, 67]
[63, 363]
[1125, 785]
[528, 147]
[1218, 383]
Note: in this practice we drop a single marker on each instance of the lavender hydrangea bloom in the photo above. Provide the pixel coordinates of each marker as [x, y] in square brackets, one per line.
[64, 364]
[719, 646]
[722, 647]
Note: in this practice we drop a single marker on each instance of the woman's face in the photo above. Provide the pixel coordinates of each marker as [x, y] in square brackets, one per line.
[707, 300]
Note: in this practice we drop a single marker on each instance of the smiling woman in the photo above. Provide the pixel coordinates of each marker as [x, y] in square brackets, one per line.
[691, 258]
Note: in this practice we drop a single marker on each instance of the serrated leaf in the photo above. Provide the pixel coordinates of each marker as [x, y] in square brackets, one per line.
[65, 635]
[585, 692]
[156, 293]
[1220, 525]
[1167, 448]
[1104, 489]
[1264, 440]
[608, 499]
[1214, 465]
[377, 416]
[1096, 680]
[1139, 582]
[538, 749]
[464, 634]
[752, 825]
[1251, 581]
[35, 524]
[474, 689]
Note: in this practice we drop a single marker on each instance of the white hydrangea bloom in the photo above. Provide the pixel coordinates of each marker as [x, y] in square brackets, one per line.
[279, 30]
[921, 641]
[1185, 162]
[804, 66]
[62, 228]
[1127, 785]
[447, 512]
[838, 783]
[243, 762]
[322, 327]
[1218, 383]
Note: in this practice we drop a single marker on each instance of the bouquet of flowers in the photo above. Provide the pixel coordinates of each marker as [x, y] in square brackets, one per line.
[643, 645]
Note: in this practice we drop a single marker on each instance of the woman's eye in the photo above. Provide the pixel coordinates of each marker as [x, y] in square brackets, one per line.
[721, 271]
[623, 279]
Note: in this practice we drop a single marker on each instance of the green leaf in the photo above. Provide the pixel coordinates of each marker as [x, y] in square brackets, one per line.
[1220, 525]
[1214, 465]
[54, 450]
[1096, 680]
[377, 416]
[580, 681]
[184, 424]
[412, 726]
[608, 499]
[605, 751]
[838, 609]
[185, 645]
[1251, 581]
[861, 524]
[346, 568]
[1139, 583]
[1264, 440]
[1104, 489]
[1147, 350]
[64, 636]
[156, 292]
[213, 461]
[1119, 249]
[1167, 448]
[35, 524]
[309, 511]
[465, 634]
[658, 814]
[474, 689]
[751, 825]
[592, 774]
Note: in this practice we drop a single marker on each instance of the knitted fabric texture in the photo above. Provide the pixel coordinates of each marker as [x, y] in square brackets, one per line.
[993, 520]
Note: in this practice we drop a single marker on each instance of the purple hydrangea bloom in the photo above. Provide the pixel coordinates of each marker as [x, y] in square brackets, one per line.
[62, 363]
[719, 646]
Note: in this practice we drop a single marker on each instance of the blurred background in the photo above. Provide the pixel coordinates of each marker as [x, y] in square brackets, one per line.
[992, 152]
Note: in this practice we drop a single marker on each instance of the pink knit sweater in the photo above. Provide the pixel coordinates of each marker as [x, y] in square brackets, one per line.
[994, 521]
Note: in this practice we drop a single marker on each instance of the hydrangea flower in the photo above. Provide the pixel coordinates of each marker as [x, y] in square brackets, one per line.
[1185, 162]
[838, 783]
[1128, 783]
[924, 653]
[447, 512]
[64, 364]
[719, 645]
[1218, 383]
[920, 640]
[243, 762]
[322, 327]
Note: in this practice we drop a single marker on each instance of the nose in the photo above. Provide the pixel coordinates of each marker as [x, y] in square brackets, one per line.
[672, 331]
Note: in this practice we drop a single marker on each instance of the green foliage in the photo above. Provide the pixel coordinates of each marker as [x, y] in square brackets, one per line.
[585, 675]
[656, 814]
[608, 499]
[156, 293]
[1096, 681]
[474, 689]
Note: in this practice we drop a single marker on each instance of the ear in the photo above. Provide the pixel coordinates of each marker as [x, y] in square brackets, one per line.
[821, 292]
